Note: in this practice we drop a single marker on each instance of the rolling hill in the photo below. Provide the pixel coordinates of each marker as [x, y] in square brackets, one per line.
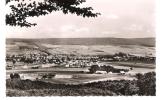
[149, 42]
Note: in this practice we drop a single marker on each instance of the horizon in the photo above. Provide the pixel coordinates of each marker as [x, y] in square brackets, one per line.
[82, 38]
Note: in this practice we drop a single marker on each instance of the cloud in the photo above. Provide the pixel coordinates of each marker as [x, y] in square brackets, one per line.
[73, 29]
[134, 27]
[111, 16]
[82, 30]
[108, 32]
[68, 28]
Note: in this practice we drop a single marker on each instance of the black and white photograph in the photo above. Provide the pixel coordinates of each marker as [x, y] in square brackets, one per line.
[80, 48]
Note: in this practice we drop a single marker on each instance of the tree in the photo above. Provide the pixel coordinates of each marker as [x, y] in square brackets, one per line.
[22, 9]
[93, 68]
[147, 84]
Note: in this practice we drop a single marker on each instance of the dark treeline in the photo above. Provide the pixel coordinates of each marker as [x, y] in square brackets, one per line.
[145, 85]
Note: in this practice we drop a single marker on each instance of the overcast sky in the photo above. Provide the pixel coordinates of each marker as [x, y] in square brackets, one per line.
[119, 18]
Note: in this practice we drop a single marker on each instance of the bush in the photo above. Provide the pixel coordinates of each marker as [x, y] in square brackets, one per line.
[147, 84]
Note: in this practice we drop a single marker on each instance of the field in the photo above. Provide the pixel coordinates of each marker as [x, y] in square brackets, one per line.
[133, 64]
[105, 46]
[79, 76]
[99, 49]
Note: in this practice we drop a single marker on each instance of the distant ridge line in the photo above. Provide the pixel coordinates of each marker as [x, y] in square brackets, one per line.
[150, 42]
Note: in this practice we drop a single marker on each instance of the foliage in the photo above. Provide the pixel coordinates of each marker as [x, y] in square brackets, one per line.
[22, 9]
[122, 87]
[145, 85]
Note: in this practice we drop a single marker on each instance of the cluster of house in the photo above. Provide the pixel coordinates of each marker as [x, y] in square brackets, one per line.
[46, 60]
[70, 60]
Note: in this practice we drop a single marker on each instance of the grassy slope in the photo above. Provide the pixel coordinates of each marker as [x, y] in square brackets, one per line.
[134, 65]
[92, 46]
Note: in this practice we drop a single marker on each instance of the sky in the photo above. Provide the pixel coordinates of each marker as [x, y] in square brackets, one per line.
[119, 18]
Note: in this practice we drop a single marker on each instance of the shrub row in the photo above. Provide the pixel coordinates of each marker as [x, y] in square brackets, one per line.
[145, 85]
